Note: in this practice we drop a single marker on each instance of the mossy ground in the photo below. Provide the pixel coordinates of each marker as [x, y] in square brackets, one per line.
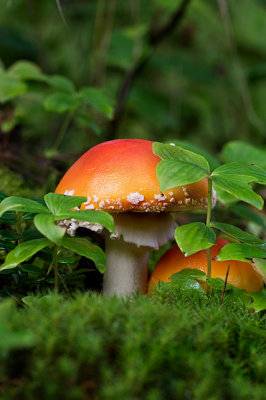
[167, 346]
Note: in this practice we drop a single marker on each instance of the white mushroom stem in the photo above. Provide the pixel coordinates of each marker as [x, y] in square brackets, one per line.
[127, 256]
[126, 268]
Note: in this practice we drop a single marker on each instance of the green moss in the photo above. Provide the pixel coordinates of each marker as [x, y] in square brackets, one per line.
[107, 348]
[12, 183]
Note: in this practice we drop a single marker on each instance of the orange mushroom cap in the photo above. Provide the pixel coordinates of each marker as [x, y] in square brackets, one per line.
[120, 175]
[241, 274]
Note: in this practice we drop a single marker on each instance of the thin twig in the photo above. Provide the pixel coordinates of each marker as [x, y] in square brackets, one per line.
[61, 12]
[225, 282]
[153, 39]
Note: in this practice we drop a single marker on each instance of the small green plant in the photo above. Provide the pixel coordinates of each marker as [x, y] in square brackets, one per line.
[232, 180]
[47, 237]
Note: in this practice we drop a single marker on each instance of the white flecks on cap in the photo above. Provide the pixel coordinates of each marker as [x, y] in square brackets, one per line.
[101, 204]
[69, 192]
[171, 193]
[160, 197]
[172, 199]
[95, 198]
[180, 202]
[187, 201]
[107, 201]
[89, 207]
[185, 191]
[88, 201]
[111, 207]
[135, 198]
[76, 208]
[194, 202]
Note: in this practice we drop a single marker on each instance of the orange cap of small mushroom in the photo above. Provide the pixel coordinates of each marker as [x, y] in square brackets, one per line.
[241, 274]
[120, 176]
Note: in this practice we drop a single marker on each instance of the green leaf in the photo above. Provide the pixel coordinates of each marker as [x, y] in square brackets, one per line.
[253, 173]
[168, 152]
[240, 251]
[187, 280]
[26, 70]
[9, 235]
[61, 82]
[31, 269]
[85, 248]
[194, 237]
[244, 153]
[23, 252]
[213, 162]
[218, 284]
[60, 203]
[46, 225]
[259, 301]
[245, 212]
[98, 99]
[259, 265]
[61, 102]
[94, 217]
[179, 166]
[10, 87]
[238, 187]
[20, 204]
[6, 245]
[237, 233]
[189, 273]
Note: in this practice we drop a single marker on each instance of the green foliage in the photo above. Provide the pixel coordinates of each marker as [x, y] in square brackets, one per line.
[48, 234]
[110, 348]
[194, 237]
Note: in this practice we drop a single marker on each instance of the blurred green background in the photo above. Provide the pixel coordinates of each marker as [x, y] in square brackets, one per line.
[203, 80]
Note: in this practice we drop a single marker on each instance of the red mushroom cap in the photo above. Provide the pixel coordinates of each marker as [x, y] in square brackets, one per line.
[241, 274]
[120, 176]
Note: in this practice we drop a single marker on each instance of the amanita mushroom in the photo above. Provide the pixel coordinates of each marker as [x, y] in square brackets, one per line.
[119, 177]
[241, 274]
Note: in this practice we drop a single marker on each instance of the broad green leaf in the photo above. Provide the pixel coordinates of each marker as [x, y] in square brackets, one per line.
[194, 237]
[237, 233]
[189, 273]
[245, 212]
[96, 98]
[60, 203]
[46, 225]
[244, 153]
[168, 152]
[23, 252]
[173, 173]
[20, 204]
[259, 265]
[259, 302]
[61, 102]
[238, 187]
[225, 197]
[240, 251]
[10, 87]
[213, 162]
[25, 70]
[187, 280]
[255, 174]
[60, 82]
[94, 217]
[85, 248]
[31, 269]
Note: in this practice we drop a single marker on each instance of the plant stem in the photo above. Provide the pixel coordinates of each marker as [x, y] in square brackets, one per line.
[63, 130]
[55, 266]
[208, 222]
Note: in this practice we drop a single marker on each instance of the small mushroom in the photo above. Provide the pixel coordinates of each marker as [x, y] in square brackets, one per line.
[119, 177]
[241, 274]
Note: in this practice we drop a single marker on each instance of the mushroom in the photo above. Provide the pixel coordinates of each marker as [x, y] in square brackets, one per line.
[241, 274]
[119, 177]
